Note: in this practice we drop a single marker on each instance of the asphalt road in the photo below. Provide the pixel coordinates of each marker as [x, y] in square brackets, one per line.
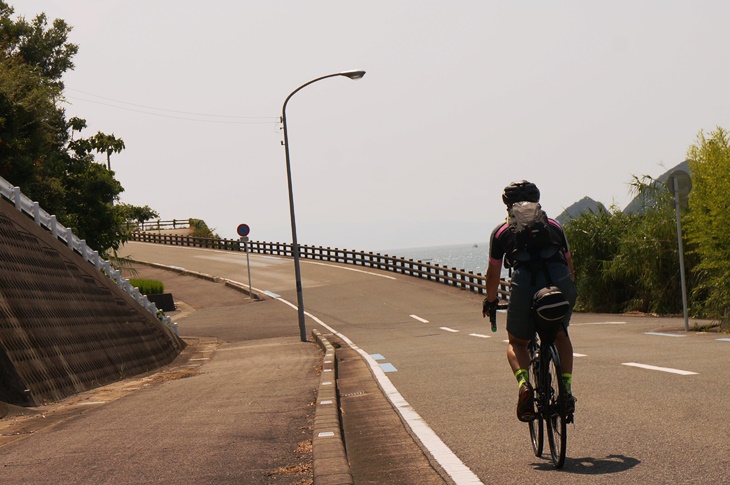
[634, 423]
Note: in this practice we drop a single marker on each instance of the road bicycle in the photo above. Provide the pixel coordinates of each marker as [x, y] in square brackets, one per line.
[550, 395]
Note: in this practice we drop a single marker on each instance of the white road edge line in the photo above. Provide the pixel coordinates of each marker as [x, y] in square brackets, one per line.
[662, 369]
[452, 465]
[416, 317]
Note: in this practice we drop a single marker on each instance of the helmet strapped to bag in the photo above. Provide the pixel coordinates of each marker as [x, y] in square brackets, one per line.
[550, 307]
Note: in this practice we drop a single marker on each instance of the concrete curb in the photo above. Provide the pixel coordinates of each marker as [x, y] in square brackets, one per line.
[215, 279]
[330, 465]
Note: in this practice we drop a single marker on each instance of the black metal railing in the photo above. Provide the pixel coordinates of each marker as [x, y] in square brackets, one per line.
[467, 280]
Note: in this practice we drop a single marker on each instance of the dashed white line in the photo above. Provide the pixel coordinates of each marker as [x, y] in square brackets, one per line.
[416, 317]
[664, 334]
[449, 329]
[479, 335]
[596, 323]
[661, 369]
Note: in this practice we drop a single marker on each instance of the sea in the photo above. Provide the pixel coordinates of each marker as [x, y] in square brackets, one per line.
[470, 257]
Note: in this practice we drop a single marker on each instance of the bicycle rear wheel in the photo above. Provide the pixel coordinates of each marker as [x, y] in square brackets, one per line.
[536, 427]
[555, 419]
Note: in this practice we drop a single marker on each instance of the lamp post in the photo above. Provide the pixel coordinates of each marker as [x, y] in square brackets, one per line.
[295, 244]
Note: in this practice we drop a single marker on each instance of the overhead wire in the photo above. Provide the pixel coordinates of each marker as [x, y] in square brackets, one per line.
[228, 119]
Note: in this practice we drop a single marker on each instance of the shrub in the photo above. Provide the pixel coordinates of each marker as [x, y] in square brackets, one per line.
[148, 287]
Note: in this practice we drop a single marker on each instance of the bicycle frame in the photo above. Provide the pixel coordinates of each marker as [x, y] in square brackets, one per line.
[550, 395]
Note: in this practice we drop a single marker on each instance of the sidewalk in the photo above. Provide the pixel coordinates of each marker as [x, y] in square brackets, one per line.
[234, 408]
[242, 404]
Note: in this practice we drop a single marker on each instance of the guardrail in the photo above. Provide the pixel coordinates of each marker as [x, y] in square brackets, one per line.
[460, 278]
[66, 235]
[159, 225]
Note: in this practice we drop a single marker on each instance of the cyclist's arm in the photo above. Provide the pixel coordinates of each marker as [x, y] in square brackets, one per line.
[569, 260]
[493, 274]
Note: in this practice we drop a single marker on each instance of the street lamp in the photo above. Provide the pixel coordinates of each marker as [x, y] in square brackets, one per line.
[295, 244]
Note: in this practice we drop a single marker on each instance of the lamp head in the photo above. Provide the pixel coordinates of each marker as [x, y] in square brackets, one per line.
[353, 74]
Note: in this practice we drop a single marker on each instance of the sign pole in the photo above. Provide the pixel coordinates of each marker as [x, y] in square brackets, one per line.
[243, 230]
[248, 266]
[681, 253]
[679, 184]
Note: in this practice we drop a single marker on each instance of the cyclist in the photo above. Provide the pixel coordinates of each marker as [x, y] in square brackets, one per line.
[526, 280]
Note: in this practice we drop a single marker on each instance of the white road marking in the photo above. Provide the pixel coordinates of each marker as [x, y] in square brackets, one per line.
[664, 334]
[449, 329]
[661, 369]
[350, 269]
[479, 335]
[388, 367]
[452, 465]
[416, 317]
[596, 323]
[579, 355]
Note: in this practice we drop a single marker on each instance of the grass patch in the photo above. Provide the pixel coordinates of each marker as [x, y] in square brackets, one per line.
[148, 287]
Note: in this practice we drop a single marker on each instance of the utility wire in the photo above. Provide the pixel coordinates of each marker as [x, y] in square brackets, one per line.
[243, 119]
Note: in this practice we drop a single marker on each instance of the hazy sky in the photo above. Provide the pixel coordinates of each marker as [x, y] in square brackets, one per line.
[460, 98]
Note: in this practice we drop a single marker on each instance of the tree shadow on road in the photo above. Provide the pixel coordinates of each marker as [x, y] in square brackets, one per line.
[593, 466]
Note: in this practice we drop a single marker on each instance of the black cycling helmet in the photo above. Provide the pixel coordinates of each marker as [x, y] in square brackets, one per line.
[520, 191]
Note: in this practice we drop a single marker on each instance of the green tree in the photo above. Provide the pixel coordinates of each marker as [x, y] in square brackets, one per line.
[708, 221]
[39, 150]
[629, 262]
[108, 144]
[648, 257]
[595, 239]
[46, 49]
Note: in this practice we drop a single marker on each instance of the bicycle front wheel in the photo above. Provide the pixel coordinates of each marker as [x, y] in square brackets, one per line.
[555, 419]
[536, 426]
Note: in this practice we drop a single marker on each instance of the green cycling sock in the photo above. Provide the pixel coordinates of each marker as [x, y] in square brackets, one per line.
[521, 376]
[568, 381]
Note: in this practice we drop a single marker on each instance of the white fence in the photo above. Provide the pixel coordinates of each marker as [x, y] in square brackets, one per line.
[65, 234]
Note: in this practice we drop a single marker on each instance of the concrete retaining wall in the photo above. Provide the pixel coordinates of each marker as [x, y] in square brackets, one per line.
[64, 326]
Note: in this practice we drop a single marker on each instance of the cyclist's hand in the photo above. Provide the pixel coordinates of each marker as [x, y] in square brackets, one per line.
[489, 307]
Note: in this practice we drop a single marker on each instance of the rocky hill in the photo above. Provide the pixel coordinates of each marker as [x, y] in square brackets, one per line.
[585, 204]
[588, 204]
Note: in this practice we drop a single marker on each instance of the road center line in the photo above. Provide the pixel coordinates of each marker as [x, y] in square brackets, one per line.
[596, 323]
[664, 334]
[416, 317]
[661, 369]
[479, 335]
[350, 269]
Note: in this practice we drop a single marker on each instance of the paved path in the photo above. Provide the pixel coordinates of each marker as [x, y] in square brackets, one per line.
[237, 407]
[638, 418]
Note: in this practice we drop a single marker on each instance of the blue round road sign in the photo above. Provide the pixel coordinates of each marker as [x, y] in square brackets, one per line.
[243, 230]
